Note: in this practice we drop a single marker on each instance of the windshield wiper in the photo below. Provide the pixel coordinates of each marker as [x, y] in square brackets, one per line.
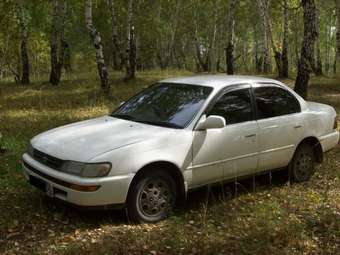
[161, 123]
[123, 116]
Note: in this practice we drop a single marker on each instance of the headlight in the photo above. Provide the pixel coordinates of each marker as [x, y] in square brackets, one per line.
[86, 170]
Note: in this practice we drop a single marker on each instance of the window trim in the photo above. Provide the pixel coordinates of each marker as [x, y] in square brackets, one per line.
[169, 83]
[273, 85]
[224, 91]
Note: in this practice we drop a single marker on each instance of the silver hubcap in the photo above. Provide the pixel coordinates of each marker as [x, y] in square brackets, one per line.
[303, 165]
[155, 198]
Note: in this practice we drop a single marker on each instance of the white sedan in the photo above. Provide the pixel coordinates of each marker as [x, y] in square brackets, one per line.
[177, 135]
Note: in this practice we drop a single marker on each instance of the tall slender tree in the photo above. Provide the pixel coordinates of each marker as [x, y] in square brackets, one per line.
[285, 46]
[230, 36]
[131, 51]
[318, 62]
[23, 21]
[97, 42]
[55, 27]
[338, 34]
[307, 50]
[117, 56]
[59, 46]
[263, 11]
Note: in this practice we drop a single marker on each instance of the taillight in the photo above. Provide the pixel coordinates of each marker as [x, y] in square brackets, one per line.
[335, 123]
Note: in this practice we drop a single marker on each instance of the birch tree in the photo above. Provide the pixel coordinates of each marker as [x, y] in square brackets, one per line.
[285, 46]
[263, 9]
[117, 56]
[97, 43]
[131, 57]
[59, 47]
[23, 22]
[338, 33]
[318, 62]
[230, 36]
[55, 27]
[306, 56]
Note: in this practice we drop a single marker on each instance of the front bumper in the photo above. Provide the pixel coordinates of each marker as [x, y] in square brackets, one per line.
[110, 190]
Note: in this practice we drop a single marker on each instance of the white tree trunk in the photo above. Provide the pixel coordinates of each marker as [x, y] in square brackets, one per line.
[23, 20]
[263, 9]
[131, 44]
[230, 37]
[338, 33]
[97, 42]
[117, 55]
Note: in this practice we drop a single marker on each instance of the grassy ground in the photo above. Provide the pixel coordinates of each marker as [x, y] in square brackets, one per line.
[274, 219]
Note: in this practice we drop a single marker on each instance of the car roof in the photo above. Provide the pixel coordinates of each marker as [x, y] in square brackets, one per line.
[218, 80]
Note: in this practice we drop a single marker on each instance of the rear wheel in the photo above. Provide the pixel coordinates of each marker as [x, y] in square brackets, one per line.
[151, 197]
[303, 163]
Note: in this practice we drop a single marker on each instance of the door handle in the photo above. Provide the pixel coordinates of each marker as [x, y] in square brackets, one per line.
[298, 126]
[251, 135]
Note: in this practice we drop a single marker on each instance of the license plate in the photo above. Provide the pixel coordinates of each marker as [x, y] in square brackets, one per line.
[49, 190]
[43, 186]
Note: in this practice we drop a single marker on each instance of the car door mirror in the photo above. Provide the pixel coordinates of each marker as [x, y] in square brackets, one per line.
[212, 122]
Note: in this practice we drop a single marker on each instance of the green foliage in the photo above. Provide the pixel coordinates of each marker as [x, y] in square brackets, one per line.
[156, 23]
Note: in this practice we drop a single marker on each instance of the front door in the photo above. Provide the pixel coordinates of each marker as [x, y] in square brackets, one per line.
[220, 154]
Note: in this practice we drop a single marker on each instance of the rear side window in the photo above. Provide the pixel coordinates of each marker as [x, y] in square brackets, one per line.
[274, 101]
[234, 106]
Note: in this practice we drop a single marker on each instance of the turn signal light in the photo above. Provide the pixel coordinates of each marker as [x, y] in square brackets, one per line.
[84, 188]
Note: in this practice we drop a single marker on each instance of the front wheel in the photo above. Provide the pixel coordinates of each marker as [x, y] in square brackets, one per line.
[151, 197]
[302, 166]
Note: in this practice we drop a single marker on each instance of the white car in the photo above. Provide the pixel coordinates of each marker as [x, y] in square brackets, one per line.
[177, 135]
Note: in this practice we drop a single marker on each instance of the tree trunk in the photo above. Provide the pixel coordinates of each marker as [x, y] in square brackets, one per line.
[97, 42]
[116, 49]
[55, 69]
[64, 53]
[285, 46]
[263, 8]
[23, 20]
[306, 57]
[338, 34]
[230, 37]
[131, 45]
[318, 63]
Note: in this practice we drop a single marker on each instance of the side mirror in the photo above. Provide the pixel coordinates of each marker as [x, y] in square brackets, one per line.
[212, 122]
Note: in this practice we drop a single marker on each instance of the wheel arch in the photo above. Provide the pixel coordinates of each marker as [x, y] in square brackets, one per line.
[168, 167]
[317, 148]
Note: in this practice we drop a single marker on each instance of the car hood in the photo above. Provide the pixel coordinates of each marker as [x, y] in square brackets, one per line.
[85, 140]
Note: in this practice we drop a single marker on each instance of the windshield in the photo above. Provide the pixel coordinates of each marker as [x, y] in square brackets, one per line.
[164, 104]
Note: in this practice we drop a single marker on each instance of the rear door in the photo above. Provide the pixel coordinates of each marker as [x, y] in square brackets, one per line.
[280, 125]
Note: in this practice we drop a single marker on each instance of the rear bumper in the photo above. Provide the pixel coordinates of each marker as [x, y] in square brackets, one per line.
[111, 190]
[329, 141]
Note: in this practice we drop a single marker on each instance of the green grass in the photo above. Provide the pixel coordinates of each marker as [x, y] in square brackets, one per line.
[275, 219]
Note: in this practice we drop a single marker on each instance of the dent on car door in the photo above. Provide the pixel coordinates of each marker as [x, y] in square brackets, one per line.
[280, 125]
[230, 151]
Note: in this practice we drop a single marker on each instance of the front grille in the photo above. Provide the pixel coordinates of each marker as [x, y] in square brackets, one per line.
[46, 176]
[47, 160]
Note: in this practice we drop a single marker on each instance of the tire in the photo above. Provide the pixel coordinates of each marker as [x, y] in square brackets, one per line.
[302, 165]
[151, 197]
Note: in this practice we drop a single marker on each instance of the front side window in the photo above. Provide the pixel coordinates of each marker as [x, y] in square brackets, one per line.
[274, 101]
[234, 106]
[165, 104]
